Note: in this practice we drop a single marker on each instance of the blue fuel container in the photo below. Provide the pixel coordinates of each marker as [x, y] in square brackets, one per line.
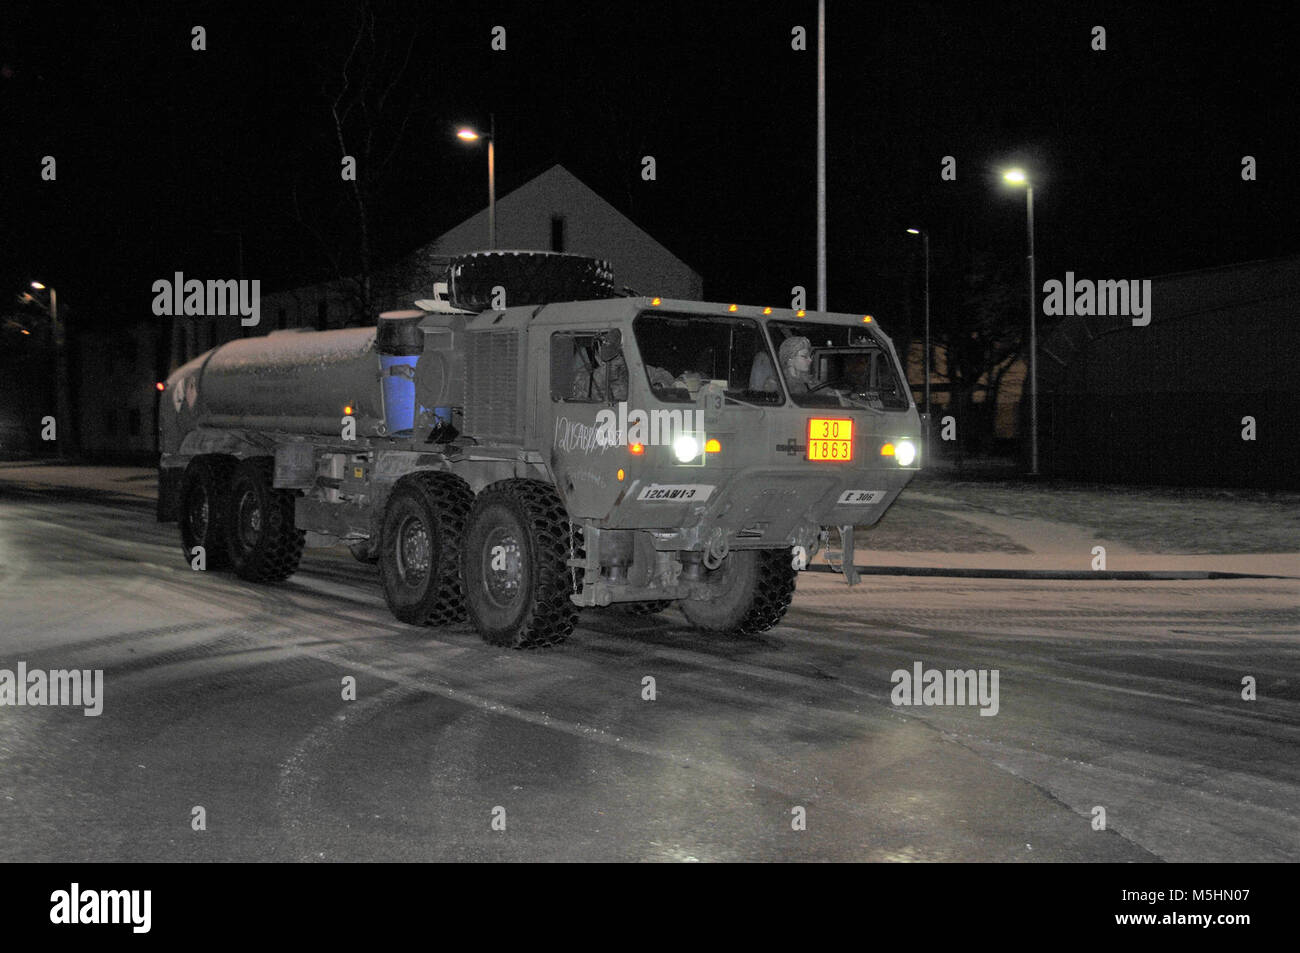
[399, 391]
[399, 342]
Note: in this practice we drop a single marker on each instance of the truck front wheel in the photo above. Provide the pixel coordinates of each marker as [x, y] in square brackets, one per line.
[420, 548]
[263, 544]
[753, 589]
[517, 579]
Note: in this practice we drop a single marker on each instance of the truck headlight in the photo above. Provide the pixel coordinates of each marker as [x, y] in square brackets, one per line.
[686, 447]
[904, 452]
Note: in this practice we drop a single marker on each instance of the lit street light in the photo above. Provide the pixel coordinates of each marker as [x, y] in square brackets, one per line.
[62, 391]
[925, 244]
[471, 135]
[1018, 177]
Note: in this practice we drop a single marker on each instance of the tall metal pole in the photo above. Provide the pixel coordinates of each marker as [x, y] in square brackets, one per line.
[63, 386]
[1033, 341]
[925, 243]
[492, 181]
[821, 155]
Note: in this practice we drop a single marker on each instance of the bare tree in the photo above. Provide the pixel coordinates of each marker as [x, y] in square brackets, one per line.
[368, 104]
[977, 311]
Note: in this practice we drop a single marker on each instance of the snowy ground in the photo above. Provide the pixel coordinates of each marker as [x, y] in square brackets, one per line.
[224, 695]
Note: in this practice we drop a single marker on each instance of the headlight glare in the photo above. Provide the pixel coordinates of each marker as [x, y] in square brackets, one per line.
[686, 447]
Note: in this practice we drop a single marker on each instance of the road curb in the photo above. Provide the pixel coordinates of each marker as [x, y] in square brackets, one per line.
[1110, 574]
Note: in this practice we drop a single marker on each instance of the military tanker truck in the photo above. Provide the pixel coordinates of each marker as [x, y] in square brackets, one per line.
[511, 465]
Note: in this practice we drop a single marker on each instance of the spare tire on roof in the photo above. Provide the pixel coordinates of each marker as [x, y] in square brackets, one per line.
[528, 277]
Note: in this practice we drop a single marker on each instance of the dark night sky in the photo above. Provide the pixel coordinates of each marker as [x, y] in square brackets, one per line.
[1136, 151]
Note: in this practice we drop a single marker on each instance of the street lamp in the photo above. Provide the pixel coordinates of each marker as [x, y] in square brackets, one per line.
[62, 391]
[1018, 177]
[471, 135]
[925, 244]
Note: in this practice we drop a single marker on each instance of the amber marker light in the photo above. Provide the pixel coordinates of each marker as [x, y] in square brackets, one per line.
[800, 313]
[636, 449]
[656, 302]
[866, 319]
[732, 307]
[160, 386]
[887, 450]
[712, 446]
[348, 410]
[621, 474]
[767, 310]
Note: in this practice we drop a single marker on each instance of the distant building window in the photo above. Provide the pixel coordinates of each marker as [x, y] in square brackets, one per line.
[322, 315]
[557, 233]
[280, 318]
[134, 423]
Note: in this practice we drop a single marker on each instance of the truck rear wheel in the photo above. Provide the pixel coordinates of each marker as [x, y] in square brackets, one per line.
[517, 579]
[205, 492]
[420, 548]
[754, 589]
[263, 544]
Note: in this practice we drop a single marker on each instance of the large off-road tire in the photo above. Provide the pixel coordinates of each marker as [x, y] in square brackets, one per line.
[517, 578]
[420, 545]
[204, 498]
[754, 589]
[261, 539]
[528, 277]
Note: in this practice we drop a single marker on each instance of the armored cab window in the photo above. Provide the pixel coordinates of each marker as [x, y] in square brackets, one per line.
[684, 352]
[833, 365]
[588, 366]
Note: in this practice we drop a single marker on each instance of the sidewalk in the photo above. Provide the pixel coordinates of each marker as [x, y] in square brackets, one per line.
[955, 526]
[106, 483]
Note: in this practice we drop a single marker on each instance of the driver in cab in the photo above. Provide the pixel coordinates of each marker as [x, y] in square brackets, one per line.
[796, 359]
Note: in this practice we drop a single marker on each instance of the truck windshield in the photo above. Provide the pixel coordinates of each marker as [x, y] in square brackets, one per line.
[830, 365]
[684, 352]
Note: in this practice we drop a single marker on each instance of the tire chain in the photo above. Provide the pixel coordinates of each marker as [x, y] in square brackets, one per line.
[773, 591]
[554, 615]
[451, 499]
[528, 278]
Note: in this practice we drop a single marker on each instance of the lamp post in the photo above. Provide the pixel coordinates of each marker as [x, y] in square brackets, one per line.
[62, 391]
[471, 135]
[821, 155]
[1018, 177]
[925, 244]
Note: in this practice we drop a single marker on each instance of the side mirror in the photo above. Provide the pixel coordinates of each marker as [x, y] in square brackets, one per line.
[610, 345]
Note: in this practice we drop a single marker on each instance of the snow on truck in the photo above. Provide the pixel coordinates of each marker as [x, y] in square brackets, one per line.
[512, 464]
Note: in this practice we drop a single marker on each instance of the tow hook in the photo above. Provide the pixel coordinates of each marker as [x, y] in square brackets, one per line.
[716, 551]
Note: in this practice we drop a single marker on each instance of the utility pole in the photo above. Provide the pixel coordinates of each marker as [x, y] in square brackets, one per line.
[66, 431]
[821, 155]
